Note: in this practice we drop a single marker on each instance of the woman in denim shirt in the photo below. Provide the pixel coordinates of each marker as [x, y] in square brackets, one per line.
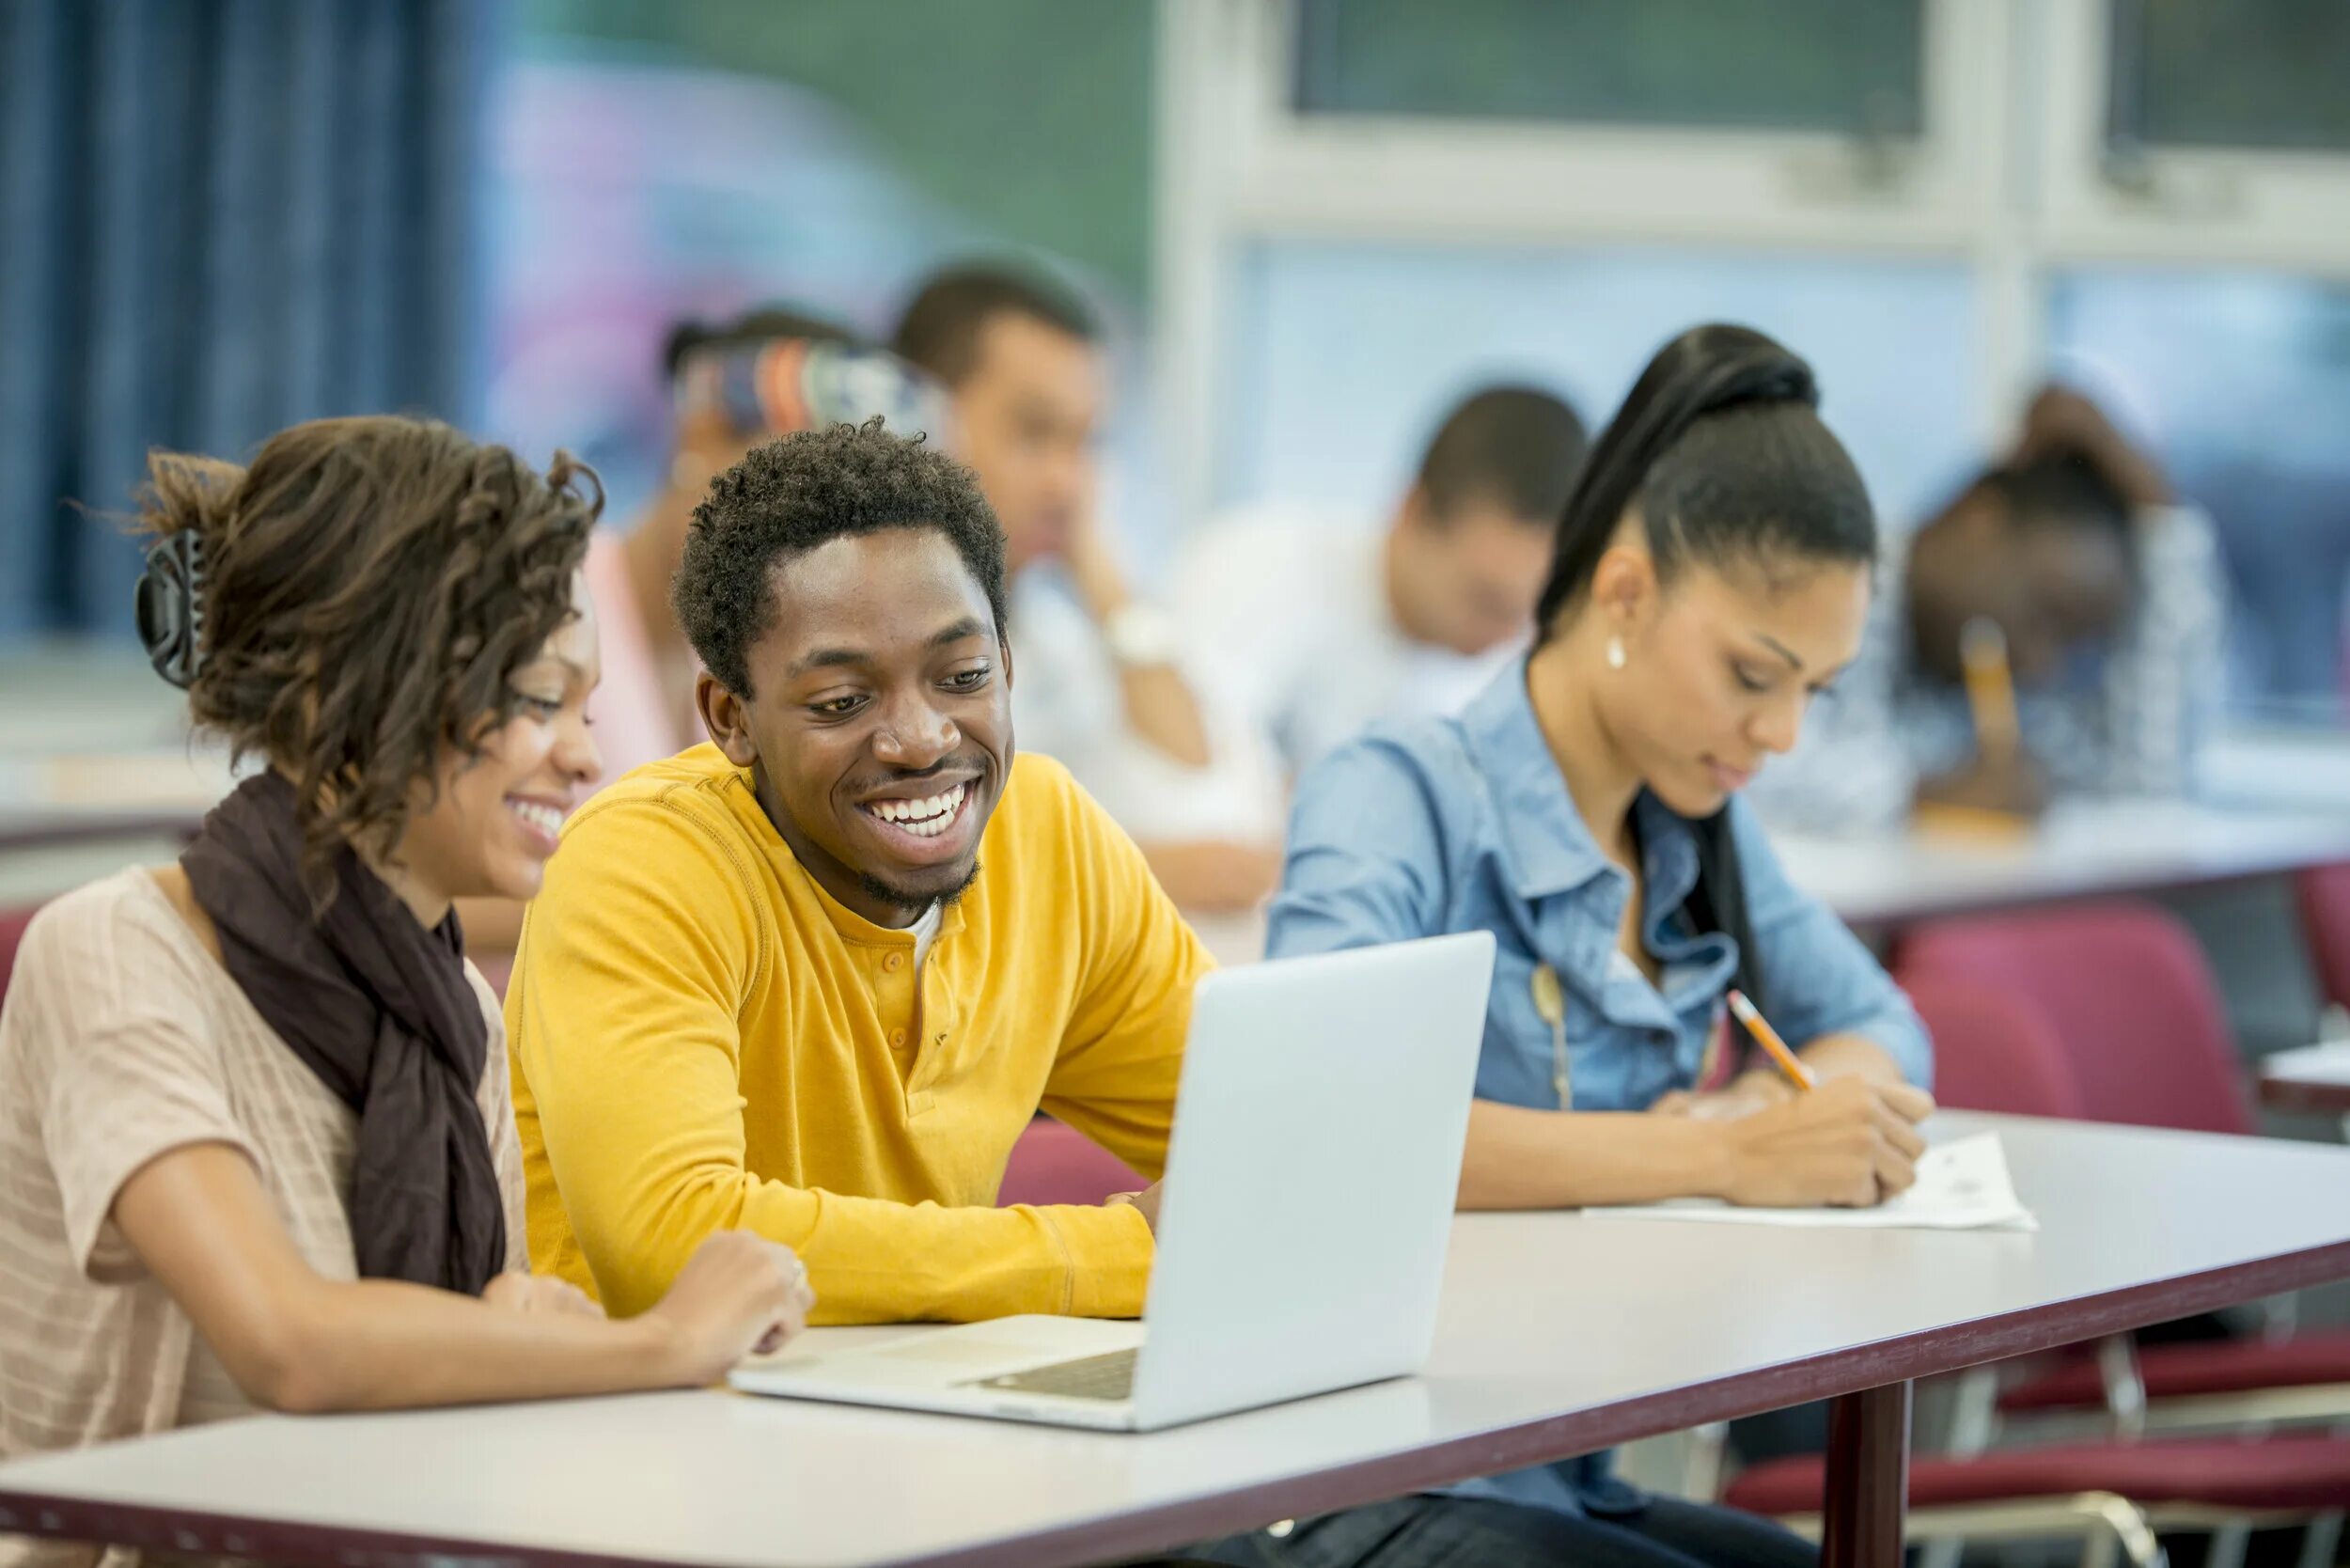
[1712, 573]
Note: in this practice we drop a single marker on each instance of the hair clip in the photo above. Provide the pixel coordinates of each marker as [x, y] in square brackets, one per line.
[169, 606]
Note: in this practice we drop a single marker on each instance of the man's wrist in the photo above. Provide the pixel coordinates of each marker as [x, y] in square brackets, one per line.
[1094, 573]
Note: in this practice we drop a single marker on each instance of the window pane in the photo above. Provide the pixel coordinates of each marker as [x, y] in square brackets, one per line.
[1849, 65]
[2241, 384]
[2239, 73]
[736, 190]
[1344, 355]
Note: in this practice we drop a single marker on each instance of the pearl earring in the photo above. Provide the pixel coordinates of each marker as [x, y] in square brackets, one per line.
[1615, 652]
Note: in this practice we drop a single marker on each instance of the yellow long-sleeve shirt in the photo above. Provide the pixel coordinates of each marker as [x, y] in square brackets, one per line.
[703, 1039]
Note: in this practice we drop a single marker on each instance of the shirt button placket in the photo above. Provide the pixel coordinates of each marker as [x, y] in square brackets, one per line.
[893, 996]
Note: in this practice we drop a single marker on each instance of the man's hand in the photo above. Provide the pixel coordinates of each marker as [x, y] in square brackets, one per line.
[1160, 709]
[1147, 1202]
[1092, 565]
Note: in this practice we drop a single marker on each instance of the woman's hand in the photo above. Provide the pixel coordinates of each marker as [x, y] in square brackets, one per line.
[738, 1296]
[1849, 1143]
[1749, 1093]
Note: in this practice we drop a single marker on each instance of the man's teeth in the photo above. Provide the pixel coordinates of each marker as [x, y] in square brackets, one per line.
[545, 818]
[924, 819]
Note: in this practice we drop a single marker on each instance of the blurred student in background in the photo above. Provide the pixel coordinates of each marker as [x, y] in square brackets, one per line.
[254, 1112]
[1316, 628]
[1101, 684]
[734, 383]
[2106, 597]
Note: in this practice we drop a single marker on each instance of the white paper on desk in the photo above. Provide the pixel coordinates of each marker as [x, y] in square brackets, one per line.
[2328, 1063]
[1962, 1186]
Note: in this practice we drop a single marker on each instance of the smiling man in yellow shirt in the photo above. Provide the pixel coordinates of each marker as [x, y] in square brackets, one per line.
[813, 979]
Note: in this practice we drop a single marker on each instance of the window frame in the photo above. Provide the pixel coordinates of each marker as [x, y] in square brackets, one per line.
[2175, 204]
[2010, 177]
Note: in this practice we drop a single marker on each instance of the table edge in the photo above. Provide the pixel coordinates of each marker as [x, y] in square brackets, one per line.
[40, 831]
[1870, 914]
[1165, 1526]
[2303, 1094]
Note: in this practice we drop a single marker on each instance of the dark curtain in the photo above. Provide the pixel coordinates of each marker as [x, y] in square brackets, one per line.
[217, 217]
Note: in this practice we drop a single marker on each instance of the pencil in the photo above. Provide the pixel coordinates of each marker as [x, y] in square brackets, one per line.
[1990, 687]
[1769, 1039]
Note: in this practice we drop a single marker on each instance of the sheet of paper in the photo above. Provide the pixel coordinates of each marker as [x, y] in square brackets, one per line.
[1962, 1186]
[2328, 1063]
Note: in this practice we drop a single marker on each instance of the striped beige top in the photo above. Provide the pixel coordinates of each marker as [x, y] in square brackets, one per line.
[121, 1039]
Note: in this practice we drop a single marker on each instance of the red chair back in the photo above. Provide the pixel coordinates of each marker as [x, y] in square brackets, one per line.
[12, 924]
[497, 969]
[1056, 1164]
[1992, 1051]
[2324, 894]
[2129, 996]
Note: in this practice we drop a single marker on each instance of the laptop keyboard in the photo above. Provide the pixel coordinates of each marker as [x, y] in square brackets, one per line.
[1107, 1377]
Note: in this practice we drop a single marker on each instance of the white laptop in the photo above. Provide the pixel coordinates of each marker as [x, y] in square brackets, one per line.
[1302, 1234]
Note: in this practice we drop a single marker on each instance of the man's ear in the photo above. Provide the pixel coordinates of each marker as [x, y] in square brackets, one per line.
[726, 718]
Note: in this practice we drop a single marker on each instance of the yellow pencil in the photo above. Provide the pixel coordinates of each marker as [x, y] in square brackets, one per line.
[1769, 1039]
[1990, 687]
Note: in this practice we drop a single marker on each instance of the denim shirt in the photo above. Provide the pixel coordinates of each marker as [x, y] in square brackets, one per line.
[1464, 823]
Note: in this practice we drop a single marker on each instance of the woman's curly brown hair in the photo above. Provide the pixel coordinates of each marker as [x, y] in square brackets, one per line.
[370, 587]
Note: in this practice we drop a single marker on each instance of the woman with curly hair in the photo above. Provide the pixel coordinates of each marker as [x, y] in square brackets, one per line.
[256, 1138]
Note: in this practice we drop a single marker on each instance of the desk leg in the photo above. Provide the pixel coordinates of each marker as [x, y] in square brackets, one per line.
[1868, 1479]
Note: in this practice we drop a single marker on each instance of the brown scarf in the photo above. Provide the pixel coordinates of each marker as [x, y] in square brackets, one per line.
[381, 1009]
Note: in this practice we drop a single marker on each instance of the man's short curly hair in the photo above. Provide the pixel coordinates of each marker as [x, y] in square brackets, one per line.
[790, 497]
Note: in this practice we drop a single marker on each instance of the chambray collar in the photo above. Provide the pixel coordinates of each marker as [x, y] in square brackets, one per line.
[1543, 838]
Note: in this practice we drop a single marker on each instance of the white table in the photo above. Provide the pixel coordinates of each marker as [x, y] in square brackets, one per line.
[2313, 1078]
[82, 797]
[2271, 768]
[2083, 848]
[1559, 1335]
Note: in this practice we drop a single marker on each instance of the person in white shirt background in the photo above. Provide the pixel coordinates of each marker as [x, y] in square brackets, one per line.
[1316, 627]
[1098, 680]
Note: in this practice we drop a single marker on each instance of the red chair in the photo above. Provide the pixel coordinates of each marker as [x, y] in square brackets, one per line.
[1993, 1052]
[1996, 1052]
[2121, 1491]
[13, 925]
[2300, 1377]
[497, 969]
[2130, 996]
[2323, 895]
[1056, 1164]
[1993, 992]
[2139, 1028]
